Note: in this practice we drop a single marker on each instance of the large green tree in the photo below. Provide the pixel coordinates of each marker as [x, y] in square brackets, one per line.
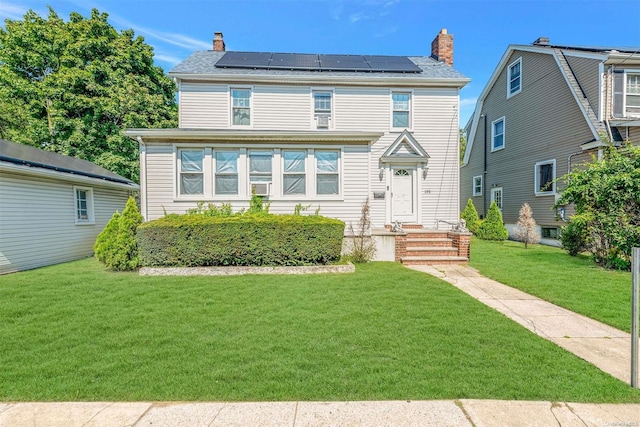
[73, 86]
[606, 196]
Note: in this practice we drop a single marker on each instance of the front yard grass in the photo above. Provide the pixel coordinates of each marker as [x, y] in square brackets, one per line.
[77, 332]
[575, 283]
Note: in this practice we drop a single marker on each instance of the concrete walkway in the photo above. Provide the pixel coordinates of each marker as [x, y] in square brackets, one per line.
[439, 413]
[607, 348]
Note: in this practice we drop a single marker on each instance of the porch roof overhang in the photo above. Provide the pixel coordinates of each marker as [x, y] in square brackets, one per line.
[250, 136]
[625, 123]
[415, 153]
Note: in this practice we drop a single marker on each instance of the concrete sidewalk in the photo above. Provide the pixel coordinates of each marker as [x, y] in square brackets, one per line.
[607, 348]
[465, 413]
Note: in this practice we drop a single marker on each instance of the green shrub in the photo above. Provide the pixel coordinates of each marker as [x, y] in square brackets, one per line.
[572, 238]
[106, 242]
[116, 245]
[470, 215]
[362, 248]
[492, 228]
[210, 209]
[249, 239]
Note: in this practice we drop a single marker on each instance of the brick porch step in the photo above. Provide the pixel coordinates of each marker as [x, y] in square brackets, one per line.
[431, 251]
[431, 242]
[434, 260]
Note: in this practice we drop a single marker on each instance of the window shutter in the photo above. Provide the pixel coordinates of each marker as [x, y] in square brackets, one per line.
[618, 93]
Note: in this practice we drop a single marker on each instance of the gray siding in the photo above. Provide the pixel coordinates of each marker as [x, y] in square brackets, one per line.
[587, 73]
[543, 122]
[37, 221]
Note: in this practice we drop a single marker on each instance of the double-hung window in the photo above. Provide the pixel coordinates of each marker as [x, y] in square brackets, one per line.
[322, 108]
[226, 178]
[545, 178]
[401, 109]
[84, 205]
[477, 185]
[514, 78]
[241, 107]
[293, 174]
[191, 172]
[327, 172]
[633, 92]
[260, 166]
[497, 134]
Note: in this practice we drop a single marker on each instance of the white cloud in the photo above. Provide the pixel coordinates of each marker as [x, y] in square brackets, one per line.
[465, 102]
[169, 59]
[12, 11]
[355, 17]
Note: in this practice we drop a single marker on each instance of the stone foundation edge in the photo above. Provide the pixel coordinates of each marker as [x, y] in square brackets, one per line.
[238, 271]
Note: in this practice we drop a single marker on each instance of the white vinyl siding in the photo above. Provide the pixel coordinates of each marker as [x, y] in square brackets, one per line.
[497, 134]
[477, 185]
[545, 175]
[203, 106]
[514, 78]
[31, 238]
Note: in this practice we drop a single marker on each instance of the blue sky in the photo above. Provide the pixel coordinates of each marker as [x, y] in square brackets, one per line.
[482, 29]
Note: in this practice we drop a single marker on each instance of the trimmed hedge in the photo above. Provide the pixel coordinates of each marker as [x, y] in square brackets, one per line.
[261, 239]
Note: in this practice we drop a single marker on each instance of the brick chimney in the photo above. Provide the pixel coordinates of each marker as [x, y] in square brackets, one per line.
[442, 47]
[218, 42]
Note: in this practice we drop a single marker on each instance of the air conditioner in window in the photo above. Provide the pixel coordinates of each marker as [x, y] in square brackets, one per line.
[260, 188]
[322, 121]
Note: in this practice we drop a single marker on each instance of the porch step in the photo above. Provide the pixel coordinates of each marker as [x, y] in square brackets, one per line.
[434, 260]
[439, 242]
[426, 234]
[431, 251]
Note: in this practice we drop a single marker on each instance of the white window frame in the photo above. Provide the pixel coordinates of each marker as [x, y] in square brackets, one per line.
[494, 191]
[627, 74]
[321, 112]
[494, 135]
[317, 173]
[304, 172]
[215, 173]
[179, 173]
[409, 111]
[552, 190]
[231, 109]
[479, 184]
[510, 78]
[88, 192]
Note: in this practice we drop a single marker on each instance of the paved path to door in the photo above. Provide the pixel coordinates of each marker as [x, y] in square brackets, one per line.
[607, 348]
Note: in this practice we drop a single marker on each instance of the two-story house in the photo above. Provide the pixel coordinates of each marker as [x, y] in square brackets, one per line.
[545, 109]
[320, 130]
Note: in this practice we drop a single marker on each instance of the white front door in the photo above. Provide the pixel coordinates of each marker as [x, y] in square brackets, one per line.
[403, 198]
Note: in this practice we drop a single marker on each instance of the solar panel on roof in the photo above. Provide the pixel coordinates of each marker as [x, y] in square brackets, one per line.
[294, 61]
[244, 60]
[312, 62]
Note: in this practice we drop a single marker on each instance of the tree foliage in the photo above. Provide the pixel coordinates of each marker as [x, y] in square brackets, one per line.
[606, 196]
[72, 86]
[526, 230]
[492, 228]
[463, 144]
[470, 215]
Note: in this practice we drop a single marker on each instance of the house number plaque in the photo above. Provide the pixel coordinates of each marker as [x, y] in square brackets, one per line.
[378, 195]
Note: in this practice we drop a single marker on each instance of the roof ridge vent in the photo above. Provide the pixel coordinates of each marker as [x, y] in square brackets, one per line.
[541, 41]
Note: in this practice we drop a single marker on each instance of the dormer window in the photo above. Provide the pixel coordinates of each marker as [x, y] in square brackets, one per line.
[626, 93]
[633, 91]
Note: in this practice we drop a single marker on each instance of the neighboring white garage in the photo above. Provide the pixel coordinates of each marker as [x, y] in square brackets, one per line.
[52, 207]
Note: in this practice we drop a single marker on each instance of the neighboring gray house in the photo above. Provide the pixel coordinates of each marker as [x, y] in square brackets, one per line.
[52, 207]
[545, 109]
[325, 131]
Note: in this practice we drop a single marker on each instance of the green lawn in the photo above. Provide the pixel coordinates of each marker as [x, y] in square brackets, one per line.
[575, 283]
[77, 332]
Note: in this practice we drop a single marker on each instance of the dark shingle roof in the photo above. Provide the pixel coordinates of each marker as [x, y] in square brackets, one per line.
[204, 61]
[34, 157]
